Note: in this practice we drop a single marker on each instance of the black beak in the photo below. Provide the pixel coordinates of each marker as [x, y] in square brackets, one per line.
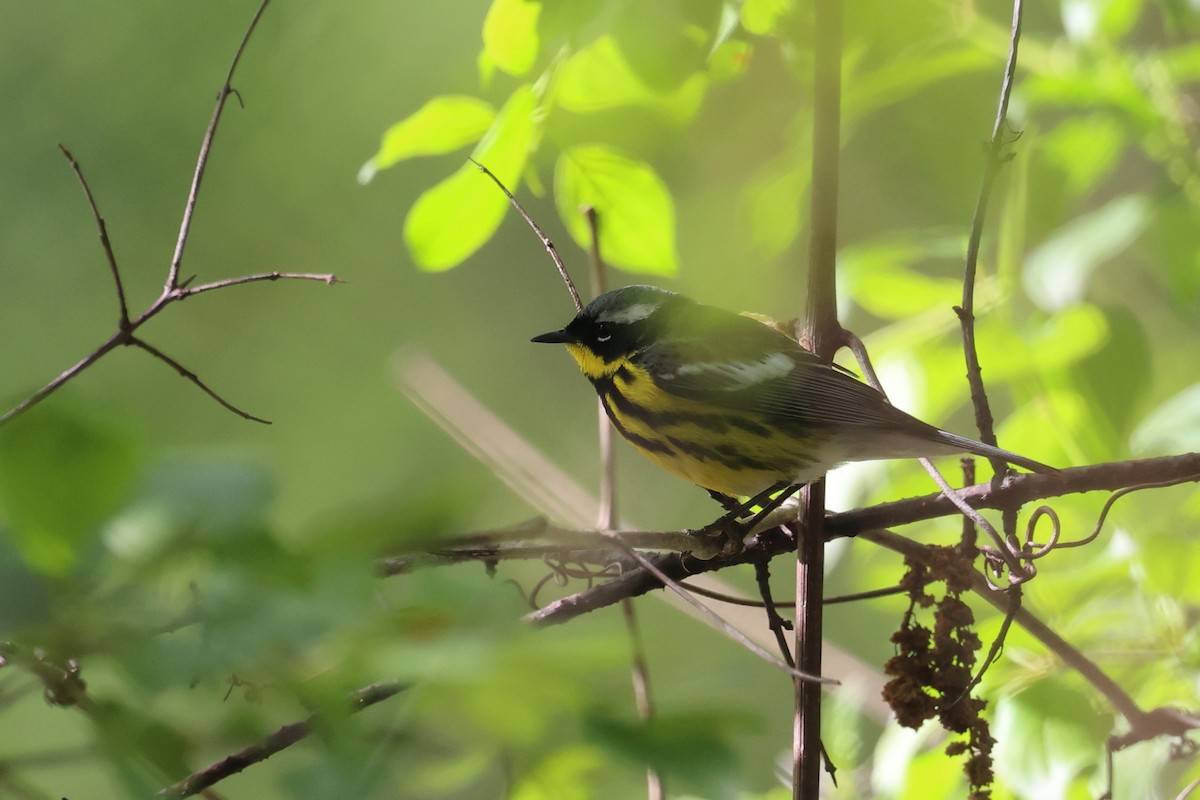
[556, 337]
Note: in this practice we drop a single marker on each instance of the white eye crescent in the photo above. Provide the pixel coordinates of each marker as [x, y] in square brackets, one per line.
[603, 337]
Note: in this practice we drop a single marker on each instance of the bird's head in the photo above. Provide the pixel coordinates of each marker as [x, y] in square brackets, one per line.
[613, 326]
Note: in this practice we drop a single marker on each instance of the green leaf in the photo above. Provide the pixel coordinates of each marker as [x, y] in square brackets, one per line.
[510, 35]
[1047, 736]
[774, 201]
[1172, 427]
[1085, 149]
[1069, 336]
[1085, 20]
[24, 594]
[761, 17]
[1057, 273]
[689, 748]
[598, 78]
[454, 218]
[442, 125]
[561, 776]
[881, 279]
[666, 41]
[61, 474]
[635, 209]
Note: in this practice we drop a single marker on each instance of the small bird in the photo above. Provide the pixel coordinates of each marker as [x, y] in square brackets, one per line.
[732, 404]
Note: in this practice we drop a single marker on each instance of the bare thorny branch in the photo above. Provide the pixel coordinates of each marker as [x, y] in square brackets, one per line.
[174, 289]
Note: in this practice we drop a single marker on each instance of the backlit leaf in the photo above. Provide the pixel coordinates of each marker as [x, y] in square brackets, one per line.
[636, 212]
[1057, 273]
[442, 125]
[60, 475]
[510, 35]
[453, 219]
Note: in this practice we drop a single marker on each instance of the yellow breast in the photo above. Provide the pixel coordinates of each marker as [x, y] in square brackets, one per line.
[722, 449]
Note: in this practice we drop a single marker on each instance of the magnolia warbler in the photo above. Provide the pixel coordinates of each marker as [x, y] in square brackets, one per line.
[732, 404]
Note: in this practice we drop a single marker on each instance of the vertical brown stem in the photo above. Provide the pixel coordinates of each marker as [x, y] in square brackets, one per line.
[821, 334]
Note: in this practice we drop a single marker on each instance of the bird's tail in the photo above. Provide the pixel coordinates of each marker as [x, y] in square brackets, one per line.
[963, 444]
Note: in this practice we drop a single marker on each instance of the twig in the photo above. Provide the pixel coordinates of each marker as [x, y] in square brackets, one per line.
[640, 675]
[119, 338]
[1015, 490]
[194, 378]
[549, 245]
[174, 290]
[966, 312]
[777, 624]
[538, 538]
[189, 208]
[714, 619]
[282, 738]
[327, 279]
[123, 322]
[1016, 570]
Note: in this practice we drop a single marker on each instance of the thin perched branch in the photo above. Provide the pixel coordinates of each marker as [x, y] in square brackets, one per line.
[966, 312]
[123, 321]
[189, 209]
[1013, 491]
[549, 245]
[282, 738]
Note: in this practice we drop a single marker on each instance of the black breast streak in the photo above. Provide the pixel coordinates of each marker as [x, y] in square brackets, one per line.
[610, 397]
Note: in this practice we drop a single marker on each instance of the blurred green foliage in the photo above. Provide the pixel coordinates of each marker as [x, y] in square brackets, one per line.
[217, 579]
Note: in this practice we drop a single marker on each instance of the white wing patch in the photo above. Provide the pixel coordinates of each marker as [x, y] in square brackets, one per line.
[633, 313]
[740, 375]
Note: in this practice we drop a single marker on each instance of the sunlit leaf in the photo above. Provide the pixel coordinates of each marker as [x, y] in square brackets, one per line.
[563, 775]
[598, 77]
[1174, 246]
[883, 281]
[1106, 83]
[690, 748]
[1085, 149]
[761, 16]
[634, 206]
[903, 76]
[453, 219]
[1069, 336]
[1058, 271]
[1172, 427]
[60, 475]
[666, 42]
[442, 125]
[1047, 735]
[510, 35]
[1086, 20]
[730, 60]
[773, 204]
[1118, 374]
